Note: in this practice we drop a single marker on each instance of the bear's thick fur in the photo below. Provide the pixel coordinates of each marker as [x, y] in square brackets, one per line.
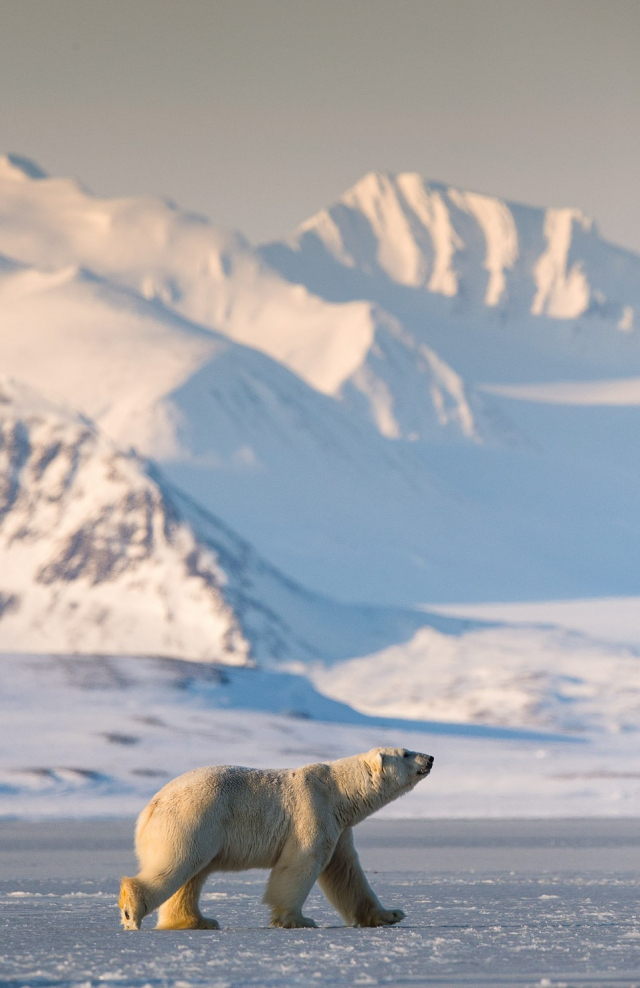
[297, 822]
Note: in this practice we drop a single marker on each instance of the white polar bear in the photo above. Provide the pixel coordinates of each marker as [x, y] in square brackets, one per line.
[295, 821]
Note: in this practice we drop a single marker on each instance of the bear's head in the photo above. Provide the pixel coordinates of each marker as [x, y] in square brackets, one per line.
[396, 770]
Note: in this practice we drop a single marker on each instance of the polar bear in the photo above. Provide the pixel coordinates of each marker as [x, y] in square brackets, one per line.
[297, 822]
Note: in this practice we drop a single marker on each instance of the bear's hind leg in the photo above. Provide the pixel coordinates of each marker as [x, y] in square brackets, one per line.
[346, 887]
[182, 911]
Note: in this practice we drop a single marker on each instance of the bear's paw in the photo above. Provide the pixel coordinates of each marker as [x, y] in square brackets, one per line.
[293, 921]
[206, 923]
[385, 917]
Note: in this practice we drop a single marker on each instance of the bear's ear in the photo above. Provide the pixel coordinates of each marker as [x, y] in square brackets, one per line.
[374, 761]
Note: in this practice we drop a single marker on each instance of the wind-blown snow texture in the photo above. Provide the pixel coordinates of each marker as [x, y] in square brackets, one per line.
[423, 396]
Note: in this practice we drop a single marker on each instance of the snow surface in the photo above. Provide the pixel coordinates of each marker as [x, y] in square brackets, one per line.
[509, 903]
[615, 619]
[619, 391]
[534, 677]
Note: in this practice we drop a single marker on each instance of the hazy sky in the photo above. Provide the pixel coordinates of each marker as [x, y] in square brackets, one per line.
[259, 112]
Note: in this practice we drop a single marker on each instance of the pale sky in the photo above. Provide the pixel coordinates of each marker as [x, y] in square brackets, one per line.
[259, 112]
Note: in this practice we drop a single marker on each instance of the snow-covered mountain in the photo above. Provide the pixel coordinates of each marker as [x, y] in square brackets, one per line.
[391, 245]
[208, 276]
[214, 279]
[501, 291]
[385, 417]
[531, 306]
[422, 395]
[480, 249]
[94, 556]
[100, 555]
[286, 465]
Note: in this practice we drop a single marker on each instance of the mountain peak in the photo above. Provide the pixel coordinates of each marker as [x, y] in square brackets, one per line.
[480, 249]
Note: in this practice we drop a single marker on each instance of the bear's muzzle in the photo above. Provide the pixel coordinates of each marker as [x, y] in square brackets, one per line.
[424, 764]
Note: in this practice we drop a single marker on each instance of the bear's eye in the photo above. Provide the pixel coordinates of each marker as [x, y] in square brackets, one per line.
[126, 914]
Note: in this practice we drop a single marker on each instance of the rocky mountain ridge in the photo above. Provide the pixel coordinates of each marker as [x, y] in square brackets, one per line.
[101, 554]
[482, 249]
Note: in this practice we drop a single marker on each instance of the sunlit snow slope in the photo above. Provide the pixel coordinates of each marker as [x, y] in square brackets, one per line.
[311, 486]
[443, 241]
[215, 279]
[422, 395]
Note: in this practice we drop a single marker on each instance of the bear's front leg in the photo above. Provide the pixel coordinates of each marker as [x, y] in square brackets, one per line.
[346, 887]
[290, 882]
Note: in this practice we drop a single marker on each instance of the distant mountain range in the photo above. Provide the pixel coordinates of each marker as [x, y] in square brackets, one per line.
[422, 395]
[282, 458]
[480, 250]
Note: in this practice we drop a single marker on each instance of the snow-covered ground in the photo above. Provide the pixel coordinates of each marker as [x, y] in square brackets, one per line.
[541, 678]
[96, 736]
[611, 619]
[513, 903]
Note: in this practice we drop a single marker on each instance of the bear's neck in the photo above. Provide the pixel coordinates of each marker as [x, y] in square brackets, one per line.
[359, 792]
